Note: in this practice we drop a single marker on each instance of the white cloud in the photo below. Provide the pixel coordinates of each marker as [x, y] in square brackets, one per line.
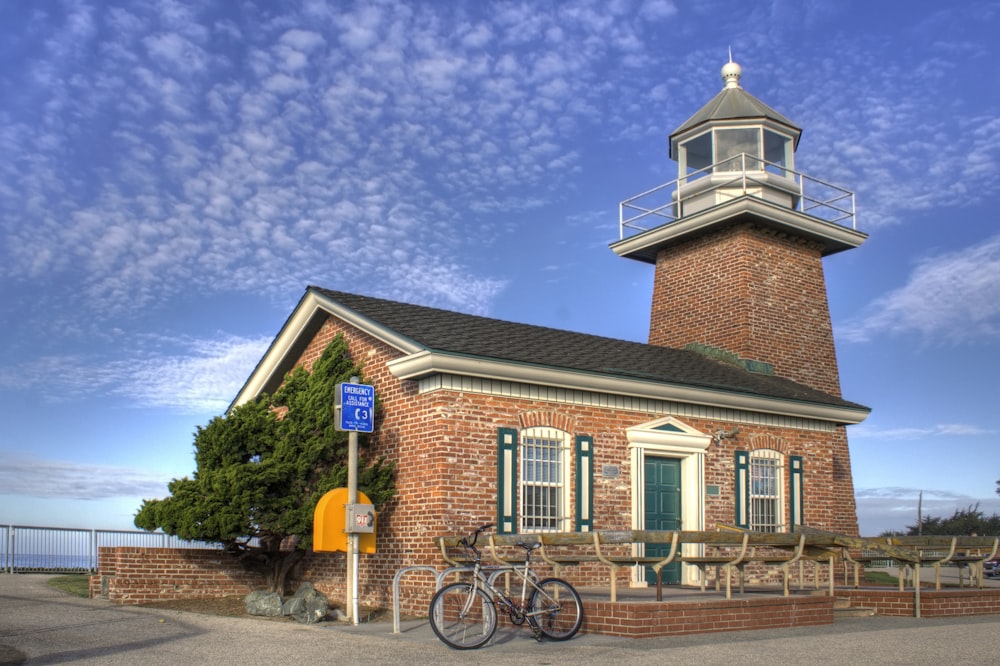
[658, 9]
[29, 476]
[950, 298]
[863, 431]
[303, 40]
[175, 52]
[201, 377]
[259, 151]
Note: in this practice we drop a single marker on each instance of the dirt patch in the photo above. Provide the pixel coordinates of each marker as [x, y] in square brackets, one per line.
[226, 606]
[235, 607]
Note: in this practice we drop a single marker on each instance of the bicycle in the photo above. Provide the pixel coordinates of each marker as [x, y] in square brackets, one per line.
[464, 615]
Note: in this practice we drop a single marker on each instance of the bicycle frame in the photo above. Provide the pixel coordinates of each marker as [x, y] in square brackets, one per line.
[464, 614]
[512, 606]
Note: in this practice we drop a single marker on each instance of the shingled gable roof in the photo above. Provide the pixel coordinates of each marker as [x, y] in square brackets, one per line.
[419, 330]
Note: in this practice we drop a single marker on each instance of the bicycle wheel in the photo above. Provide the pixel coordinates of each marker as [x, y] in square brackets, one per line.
[561, 609]
[462, 616]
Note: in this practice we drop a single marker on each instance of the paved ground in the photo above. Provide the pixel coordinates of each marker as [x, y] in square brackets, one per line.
[41, 625]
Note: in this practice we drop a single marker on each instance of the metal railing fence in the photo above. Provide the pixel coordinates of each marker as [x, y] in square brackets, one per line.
[743, 175]
[31, 549]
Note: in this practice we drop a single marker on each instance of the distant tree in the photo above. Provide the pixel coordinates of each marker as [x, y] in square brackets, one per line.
[963, 521]
[261, 469]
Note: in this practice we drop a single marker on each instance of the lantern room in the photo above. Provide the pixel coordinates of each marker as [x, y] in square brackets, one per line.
[736, 162]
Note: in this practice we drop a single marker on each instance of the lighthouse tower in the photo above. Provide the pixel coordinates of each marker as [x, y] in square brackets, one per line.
[738, 241]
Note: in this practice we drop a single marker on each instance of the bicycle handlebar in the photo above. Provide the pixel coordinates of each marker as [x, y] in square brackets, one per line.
[475, 535]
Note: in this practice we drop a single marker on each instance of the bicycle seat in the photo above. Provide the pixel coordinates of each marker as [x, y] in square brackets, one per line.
[529, 546]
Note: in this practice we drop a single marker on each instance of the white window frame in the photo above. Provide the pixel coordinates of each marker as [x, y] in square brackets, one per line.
[766, 508]
[544, 469]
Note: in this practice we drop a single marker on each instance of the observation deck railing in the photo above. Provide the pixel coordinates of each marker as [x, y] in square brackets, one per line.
[735, 177]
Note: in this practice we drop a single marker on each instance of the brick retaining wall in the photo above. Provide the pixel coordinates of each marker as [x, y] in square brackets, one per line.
[946, 603]
[646, 620]
[131, 575]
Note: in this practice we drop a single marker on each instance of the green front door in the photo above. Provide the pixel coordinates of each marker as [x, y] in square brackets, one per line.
[663, 510]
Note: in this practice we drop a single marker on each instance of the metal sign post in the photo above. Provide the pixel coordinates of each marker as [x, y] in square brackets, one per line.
[355, 410]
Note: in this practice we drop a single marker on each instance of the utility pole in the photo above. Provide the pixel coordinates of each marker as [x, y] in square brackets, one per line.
[920, 513]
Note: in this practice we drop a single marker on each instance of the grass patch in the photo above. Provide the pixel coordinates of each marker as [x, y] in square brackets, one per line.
[76, 584]
[880, 578]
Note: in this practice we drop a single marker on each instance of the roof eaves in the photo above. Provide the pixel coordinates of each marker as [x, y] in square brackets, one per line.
[429, 362]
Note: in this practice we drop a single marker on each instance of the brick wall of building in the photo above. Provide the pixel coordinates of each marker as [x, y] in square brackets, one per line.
[444, 443]
[753, 292]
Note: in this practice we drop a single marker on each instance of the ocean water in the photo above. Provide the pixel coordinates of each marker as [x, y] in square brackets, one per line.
[25, 549]
[32, 562]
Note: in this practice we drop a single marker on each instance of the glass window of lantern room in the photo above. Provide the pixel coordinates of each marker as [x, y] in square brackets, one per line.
[778, 151]
[730, 144]
[697, 153]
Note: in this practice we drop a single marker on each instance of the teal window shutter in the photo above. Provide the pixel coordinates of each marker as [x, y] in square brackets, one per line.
[584, 483]
[506, 481]
[795, 490]
[743, 489]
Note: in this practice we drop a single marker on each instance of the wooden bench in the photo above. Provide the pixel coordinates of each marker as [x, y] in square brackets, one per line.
[728, 551]
[960, 551]
[607, 547]
[566, 549]
[608, 543]
[972, 552]
[818, 548]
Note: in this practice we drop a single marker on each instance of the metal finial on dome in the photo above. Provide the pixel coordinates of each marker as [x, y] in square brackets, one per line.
[731, 72]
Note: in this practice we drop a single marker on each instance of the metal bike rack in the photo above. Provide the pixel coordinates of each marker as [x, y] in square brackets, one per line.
[439, 577]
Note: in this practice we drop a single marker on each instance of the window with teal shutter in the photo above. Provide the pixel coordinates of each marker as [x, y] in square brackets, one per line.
[795, 491]
[506, 481]
[584, 483]
[743, 489]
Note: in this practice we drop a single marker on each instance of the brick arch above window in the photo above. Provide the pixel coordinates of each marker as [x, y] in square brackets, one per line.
[768, 441]
[547, 419]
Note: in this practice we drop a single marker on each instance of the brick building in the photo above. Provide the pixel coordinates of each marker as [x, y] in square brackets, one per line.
[732, 413]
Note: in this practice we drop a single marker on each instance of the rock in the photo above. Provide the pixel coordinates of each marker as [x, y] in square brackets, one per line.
[308, 605]
[267, 604]
[293, 606]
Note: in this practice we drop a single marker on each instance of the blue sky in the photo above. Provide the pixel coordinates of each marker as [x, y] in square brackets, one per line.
[174, 174]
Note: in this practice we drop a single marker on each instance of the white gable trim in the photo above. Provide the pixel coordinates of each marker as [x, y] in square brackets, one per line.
[313, 304]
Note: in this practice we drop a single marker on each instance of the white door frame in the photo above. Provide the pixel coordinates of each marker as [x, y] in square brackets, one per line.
[669, 438]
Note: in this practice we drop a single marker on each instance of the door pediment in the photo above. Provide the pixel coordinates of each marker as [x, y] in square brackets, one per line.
[668, 433]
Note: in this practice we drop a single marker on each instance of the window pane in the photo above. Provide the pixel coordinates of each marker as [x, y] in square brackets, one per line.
[543, 466]
[699, 152]
[765, 491]
[774, 147]
[730, 143]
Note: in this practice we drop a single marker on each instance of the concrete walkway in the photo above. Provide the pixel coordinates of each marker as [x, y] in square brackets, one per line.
[41, 625]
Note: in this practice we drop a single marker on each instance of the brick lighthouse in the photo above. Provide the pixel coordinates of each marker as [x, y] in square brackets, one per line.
[738, 241]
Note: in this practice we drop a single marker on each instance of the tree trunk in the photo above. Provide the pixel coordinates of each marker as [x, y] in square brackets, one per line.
[280, 568]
